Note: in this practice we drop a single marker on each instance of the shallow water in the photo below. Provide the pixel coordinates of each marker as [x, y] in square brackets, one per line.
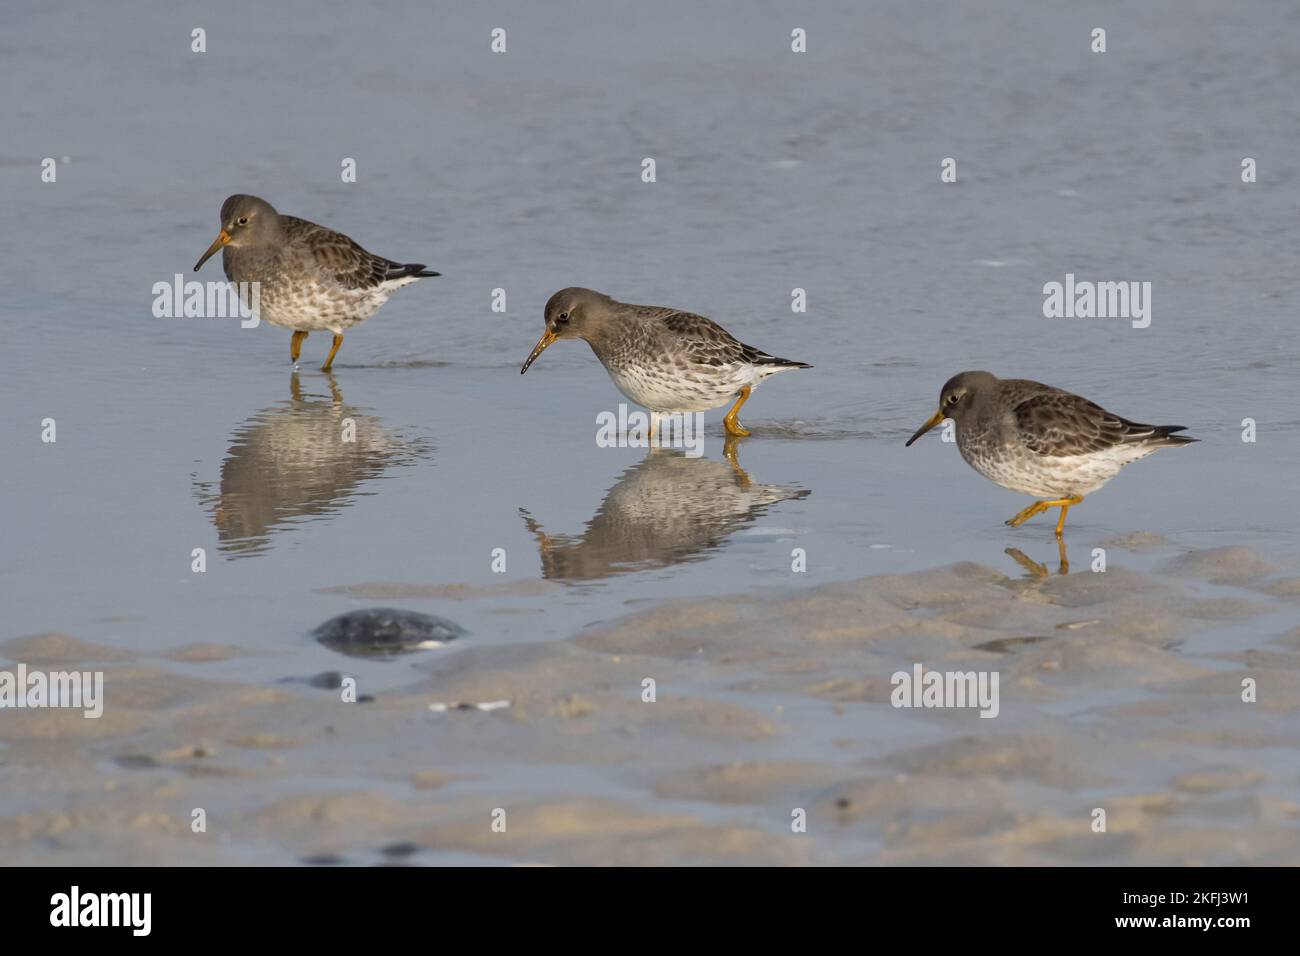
[522, 172]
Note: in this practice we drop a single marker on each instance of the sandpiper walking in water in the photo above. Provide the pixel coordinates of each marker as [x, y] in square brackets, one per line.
[310, 278]
[1042, 441]
[666, 360]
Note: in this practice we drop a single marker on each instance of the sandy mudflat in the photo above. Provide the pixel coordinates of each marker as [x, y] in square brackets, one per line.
[1119, 690]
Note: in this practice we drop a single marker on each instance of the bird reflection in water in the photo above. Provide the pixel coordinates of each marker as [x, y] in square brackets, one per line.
[1033, 568]
[304, 458]
[666, 509]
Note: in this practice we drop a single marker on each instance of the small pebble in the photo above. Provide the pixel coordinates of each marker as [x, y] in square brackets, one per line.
[440, 708]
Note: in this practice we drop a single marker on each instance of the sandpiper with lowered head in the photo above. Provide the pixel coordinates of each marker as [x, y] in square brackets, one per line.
[1042, 441]
[666, 360]
[310, 278]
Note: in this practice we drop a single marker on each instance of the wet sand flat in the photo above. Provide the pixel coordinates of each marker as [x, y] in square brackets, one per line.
[1120, 690]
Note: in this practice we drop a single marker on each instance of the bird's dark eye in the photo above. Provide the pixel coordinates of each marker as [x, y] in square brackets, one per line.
[562, 317]
[954, 399]
[243, 220]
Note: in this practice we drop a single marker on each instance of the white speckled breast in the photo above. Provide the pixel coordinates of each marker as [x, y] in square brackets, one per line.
[1017, 468]
[311, 303]
[672, 388]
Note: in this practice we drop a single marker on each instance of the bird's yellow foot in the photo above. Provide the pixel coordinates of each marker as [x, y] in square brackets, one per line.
[731, 423]
[295, 345]
[1038, 507]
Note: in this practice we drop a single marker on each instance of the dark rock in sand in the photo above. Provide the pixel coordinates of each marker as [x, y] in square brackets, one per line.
[325, 680]
[385, 632]
[397, 850]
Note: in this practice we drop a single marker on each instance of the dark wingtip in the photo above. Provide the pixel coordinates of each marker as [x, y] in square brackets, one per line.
[412, 269]
[782, 362]
[1167, 433]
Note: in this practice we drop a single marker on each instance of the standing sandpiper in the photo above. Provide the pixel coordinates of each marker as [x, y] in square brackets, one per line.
[309, 278]
[667, 360]
[1042, 441]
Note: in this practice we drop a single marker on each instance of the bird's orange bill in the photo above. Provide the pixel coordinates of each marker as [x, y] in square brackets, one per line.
[935, 419]
[223, 237]
[542, 345]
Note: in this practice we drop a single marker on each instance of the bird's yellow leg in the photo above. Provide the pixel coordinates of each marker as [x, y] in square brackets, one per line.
[1038, 507]
[1065, 504]
[1060, 546]
[295, 345]
[731, 423]
[338, 340]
